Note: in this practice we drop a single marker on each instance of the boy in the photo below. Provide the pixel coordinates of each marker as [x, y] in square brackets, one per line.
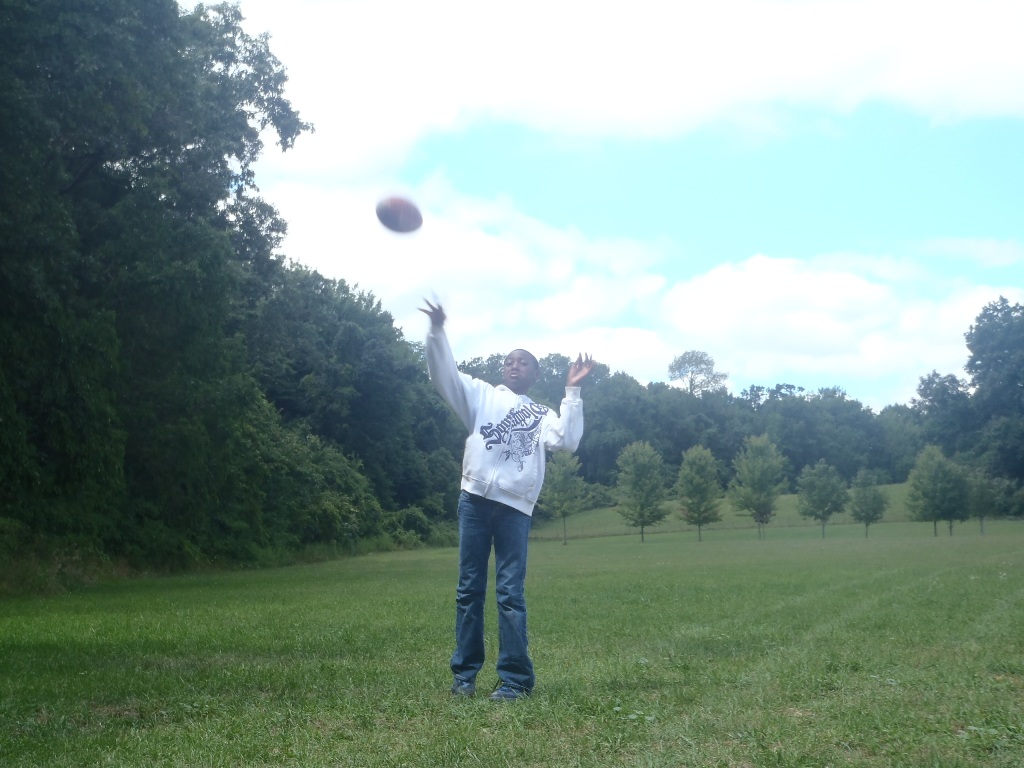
[502, 474]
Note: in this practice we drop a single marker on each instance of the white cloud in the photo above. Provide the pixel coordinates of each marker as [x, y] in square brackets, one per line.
[872, 325]
[871, 330]
[986, 253]
[377, 77]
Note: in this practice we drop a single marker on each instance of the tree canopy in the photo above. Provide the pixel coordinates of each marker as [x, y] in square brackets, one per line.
[696, 371]
[996, 367]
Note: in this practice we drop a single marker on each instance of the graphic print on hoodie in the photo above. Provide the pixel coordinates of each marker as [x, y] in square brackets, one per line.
[519, 432]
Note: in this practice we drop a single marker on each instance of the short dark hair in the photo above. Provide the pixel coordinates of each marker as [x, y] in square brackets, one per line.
[536, 363]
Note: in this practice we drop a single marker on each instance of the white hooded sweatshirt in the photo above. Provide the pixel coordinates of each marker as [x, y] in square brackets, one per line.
[508, 433]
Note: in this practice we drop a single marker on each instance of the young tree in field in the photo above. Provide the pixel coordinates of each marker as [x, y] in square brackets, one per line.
[867, 502]
[821, 493]
[641, 486]
[696, 370]
[758, 481]
[698, 488]
[982, 497]
[939, 489]
[990, 496]
[564, 489]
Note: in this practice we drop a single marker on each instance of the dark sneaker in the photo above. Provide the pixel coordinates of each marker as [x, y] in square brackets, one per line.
[506, 692]
[463, 688]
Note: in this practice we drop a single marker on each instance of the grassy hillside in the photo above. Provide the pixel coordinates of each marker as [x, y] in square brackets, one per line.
[608, 522]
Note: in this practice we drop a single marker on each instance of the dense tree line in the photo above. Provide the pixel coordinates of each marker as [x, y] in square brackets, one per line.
[171, 390]
[174, 391]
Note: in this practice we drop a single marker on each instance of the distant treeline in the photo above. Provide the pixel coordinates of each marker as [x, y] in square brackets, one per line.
[173, 392]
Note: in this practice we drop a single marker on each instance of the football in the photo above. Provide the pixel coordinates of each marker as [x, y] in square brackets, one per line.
[399, 214]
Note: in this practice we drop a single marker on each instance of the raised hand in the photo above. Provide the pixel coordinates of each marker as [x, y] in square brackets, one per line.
[579, 370]
[435, 313]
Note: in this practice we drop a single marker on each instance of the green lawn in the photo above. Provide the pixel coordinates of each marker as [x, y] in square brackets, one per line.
[903, 649]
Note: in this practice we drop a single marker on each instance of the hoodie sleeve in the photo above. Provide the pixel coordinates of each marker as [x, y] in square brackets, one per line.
[458, 389]
[565, 430]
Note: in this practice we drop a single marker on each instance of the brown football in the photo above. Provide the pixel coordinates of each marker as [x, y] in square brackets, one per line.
[399, 214]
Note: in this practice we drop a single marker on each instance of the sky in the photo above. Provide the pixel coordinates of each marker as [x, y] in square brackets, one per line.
[823, 193]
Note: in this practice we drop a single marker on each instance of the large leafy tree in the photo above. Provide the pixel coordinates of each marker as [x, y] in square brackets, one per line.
[723, 423]
[699, 489]
[824, 425]
[759, 480]
[128, 134]
[996, 367]
[675, 421]
[821, 493]
[333, 363]
[996, 362]
[900, 439]
[948, 417]
[61, 438]
[695, 370]
[641, 486]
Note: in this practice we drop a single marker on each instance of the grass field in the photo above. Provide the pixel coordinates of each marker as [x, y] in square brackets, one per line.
[903, 649]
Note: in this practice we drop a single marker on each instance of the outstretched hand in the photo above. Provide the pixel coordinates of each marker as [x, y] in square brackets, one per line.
[579, 370]
[435, 313]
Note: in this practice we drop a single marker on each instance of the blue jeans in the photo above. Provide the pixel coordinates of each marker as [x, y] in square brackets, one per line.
[481, 523]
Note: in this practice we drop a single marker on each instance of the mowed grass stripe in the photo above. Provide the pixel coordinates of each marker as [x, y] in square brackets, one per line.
[839, 643]
[900, 650]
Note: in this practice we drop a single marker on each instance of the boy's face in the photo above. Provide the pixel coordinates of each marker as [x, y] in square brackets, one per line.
[520, 371]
